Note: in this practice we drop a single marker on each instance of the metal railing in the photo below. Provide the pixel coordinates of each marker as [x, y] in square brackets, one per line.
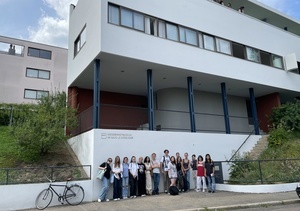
[10, 176]
[248, 172]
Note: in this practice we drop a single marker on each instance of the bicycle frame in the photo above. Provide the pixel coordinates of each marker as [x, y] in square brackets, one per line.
[60, 196]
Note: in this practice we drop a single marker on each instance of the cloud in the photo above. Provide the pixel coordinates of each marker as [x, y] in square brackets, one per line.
[53, 30]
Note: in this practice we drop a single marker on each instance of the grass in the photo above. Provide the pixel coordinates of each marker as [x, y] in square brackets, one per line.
[8, 149]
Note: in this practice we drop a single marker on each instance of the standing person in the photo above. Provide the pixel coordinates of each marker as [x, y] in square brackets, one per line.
[141, 177]
[201, 174]
[155, 164]
[125, 177]
[147, 163]
[117, 171]
[180, 180]
[105, 180]
[133, 173]
[210, 173]
[194, 167]
[172, 171]
[186, 166]
[164, 169]
[177, 155]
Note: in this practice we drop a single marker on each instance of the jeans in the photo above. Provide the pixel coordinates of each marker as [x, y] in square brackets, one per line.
[187, 177]
[156, 178]
[105, 188]
[117, 188]
[211, 183]
[125, 186]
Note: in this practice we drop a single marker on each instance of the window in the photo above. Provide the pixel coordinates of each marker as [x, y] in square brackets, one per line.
[172, 32]
[238, 51]
[252, 54]
[277, 61]
[200, 39]
[11, 49]
[35, 94]
[223, 46]
[39, 53]
[265, 58]
[150, 26]
[188, 36]
[80, 41]
[162, 29]
[209, 42]
[113, 14]
[35, 73]
[132, 19]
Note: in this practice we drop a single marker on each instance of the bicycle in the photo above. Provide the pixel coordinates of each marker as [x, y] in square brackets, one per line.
[73, 195]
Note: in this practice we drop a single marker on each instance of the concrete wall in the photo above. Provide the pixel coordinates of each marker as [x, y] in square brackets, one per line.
[13, 80]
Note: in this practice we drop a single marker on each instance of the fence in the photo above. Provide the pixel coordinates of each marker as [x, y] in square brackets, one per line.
[252, 172]
[10, 176]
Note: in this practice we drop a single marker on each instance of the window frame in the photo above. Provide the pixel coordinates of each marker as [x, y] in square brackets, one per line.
[38, 73]
[36, 94]
[78, 45]
[39, 53]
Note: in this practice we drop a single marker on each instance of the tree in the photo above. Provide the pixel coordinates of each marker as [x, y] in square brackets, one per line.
[41, 127]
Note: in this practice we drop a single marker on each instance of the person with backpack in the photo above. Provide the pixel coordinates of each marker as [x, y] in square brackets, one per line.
[164, 169]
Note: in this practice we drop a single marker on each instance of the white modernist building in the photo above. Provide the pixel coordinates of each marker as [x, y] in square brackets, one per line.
[188, 76]
[29, 70]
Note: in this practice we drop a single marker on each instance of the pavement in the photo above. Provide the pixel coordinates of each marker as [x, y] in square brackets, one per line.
[190, 201]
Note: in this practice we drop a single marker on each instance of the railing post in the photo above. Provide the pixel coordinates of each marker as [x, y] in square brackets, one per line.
[7, 170]
[191, 104]
[225, 108]
[260, 174]
[96, 111]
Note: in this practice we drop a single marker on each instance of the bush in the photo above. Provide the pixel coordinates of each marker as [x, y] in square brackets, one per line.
[278, 136]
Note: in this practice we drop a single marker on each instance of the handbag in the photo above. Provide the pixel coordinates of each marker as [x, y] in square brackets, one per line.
[112, 177]
[101, 174]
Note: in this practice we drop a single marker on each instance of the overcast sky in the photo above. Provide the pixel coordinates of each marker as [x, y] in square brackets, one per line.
[46, 21]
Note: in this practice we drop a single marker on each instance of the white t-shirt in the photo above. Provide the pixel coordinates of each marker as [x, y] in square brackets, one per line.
[133, 167]
[156, 163]
[173, 170]
[165, 160]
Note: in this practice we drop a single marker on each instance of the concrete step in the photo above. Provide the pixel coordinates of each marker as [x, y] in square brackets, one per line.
[259, 147]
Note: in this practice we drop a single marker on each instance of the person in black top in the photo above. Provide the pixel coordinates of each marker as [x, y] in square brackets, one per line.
[180, 178]
[210, 173]
[105, 180]
[141, 177]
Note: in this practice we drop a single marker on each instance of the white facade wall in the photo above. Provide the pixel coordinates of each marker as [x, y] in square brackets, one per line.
[13, 80]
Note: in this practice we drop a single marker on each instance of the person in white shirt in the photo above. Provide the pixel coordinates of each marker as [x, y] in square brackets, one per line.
[117, 171]
[164, 169]
[155, 164]
[133, 173]
[172, 171]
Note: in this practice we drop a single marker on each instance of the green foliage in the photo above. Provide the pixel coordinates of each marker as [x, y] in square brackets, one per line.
[39, 128]
[288, 113]
[8, 148]
[278, 135]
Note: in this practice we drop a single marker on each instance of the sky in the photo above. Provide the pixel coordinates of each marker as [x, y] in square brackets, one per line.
[46, 21]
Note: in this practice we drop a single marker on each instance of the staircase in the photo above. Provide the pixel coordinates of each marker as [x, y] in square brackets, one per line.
[259, 147]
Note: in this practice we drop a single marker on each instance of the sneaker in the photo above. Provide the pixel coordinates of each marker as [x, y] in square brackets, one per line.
[203, 191]
[209, 191]
[131, 197]
[115, 199]
[125, 197]
[99, 200]
[166, 191]
[143, 195]
[107, 200]
[213, 191]
[118, 199]
[134, 196]
[197, 190]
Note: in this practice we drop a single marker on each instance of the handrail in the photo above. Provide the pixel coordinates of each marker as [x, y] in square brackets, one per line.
[242, 143]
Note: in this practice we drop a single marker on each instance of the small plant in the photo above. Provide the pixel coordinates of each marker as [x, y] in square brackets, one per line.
[279, 134]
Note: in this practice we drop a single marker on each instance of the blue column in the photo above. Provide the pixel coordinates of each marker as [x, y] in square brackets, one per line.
[191, 104]
[150, 100]
[254, 113]
[225, 108]
[96, 109]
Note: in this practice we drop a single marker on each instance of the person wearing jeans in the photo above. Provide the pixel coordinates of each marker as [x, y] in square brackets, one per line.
[125, 178]
[210, 173]
[155, 164]
[105, 180]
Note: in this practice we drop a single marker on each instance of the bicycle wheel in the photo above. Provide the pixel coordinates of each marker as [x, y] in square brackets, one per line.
[44, 199]
[74, 195]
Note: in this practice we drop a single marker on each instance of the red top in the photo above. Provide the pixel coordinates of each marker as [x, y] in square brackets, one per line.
[200, 169]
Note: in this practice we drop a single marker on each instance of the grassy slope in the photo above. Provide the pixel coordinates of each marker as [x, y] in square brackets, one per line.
[8, 148]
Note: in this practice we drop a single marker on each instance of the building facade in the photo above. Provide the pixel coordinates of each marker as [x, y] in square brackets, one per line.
[188, 76]
[30, 70]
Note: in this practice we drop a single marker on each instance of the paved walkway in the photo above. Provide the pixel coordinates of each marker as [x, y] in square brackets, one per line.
[188, 201]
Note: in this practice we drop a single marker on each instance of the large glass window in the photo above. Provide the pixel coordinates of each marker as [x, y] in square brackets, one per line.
[36, 73]
[252, 54]
[35, 94]
[126, 18]
[223, 46]
[80, 41]
[172, 32]
[162, 29]
[150, 26]
[113, 14]
[40, 53]
[209, 42]
[277, 61]
[265, 58]
[11, 49]
[138, 21]
[238, 50]
[188, 36]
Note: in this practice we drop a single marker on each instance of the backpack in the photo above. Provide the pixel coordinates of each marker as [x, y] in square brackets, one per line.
[173, 190]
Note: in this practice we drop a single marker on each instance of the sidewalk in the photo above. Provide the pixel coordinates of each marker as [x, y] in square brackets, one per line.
[188, 201]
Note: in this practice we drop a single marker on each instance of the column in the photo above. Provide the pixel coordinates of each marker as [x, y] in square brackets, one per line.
[96, 109]
[225, 108]
[253, 109]
[150, 100]
[191, 104]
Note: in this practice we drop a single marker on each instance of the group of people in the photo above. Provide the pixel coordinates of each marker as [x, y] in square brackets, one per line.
[241, 9]
[138, 175]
